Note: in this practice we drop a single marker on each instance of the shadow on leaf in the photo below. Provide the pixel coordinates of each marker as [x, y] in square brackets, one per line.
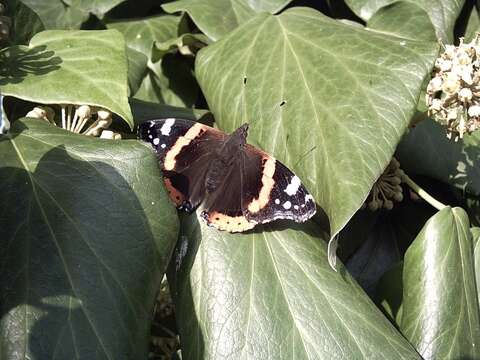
[79, 264]
[17, 62]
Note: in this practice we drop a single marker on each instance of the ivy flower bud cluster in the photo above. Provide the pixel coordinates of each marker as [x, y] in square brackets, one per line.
[453, 94]
[42, 112]
[82, 119]
[387, 189]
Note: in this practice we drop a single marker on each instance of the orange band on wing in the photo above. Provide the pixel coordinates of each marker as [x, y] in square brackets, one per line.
[267, 185]
[192, 133]
[228, 223]
[175, 195]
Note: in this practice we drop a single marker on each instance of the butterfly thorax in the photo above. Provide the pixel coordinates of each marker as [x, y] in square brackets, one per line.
[225, 158]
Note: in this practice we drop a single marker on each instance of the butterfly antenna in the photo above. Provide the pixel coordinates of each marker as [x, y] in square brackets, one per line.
[302, 157]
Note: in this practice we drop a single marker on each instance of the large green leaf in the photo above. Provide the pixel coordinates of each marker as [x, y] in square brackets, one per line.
[69, 67]
[86, 231]
[216, 18]
[328, 99]
[271, 294]
[443, 13]
[141, 34]
[425, 150]
[440, 306]
[69, 14]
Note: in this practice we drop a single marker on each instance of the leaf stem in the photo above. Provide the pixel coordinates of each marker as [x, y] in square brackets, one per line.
[63, 116]
[421, 192]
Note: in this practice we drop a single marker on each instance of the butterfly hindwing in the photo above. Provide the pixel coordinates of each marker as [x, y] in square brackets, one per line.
[287, 197]
[259, 189]
[225, 207]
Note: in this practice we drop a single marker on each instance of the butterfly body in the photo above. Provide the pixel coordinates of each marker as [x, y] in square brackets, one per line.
[237, 184]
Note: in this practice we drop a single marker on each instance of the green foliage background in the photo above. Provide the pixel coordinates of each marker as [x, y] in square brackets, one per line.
[330, 88]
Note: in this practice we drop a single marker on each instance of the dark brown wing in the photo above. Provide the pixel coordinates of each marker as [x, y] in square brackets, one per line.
[184, 149]
[258, 189]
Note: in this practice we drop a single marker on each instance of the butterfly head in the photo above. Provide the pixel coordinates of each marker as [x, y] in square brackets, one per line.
[241, 133]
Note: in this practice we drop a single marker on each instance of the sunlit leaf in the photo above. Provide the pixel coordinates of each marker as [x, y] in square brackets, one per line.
[69, 14]
[440, 307]
[476, 237]
[443, 13]
[69, 67]
[328, 99]
[141, 34]
[271, 294]
[216, 18]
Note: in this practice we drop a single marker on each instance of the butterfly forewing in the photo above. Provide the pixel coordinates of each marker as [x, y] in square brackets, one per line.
[184, 149]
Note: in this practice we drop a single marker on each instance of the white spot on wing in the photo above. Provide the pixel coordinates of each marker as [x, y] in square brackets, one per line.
[156, 141]
[308, 198]
[163, 146]
[295, 207]
[287, 205]
[277, 201]
[167, 126]
[292, 188]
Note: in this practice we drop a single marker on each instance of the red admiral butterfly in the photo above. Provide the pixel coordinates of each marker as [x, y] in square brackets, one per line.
[239, 185]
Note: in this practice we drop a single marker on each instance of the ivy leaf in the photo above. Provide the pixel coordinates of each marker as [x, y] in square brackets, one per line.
[69, 67]
[141, 34]
[476, 243]
[389, 293]
[271, 294]
[385, 242]
[187, 44]
[216, 18]
[425, 150]
[473, 25]
[137, 68]
[86, 231]
[443, 13]
[167, 79]
[69, 14]
[440, 306]
[20, 15]
[55, 14]
[332, 108]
